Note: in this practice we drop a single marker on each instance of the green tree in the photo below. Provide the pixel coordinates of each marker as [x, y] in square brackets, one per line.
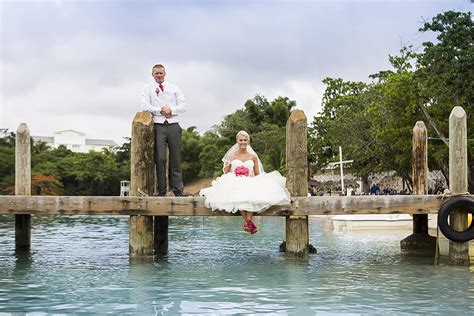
[371, 122]
[270, 144]
[265, 122]
[446, 79]
[123, 152]
[122, 159]
[91, 174]
[343, 122]
[393, 117]
[7, 160]
[191, 147]
[214, 148]
[45, 185]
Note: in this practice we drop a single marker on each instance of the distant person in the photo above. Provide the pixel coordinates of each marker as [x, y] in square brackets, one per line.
[165, 102]
[439, 190]
[245, 187]
[373, 189]
[349, 191]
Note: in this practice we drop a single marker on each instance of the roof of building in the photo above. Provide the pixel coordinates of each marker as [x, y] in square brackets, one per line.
[46, 139]
[101, 142]
[69, 130]
[88, 142]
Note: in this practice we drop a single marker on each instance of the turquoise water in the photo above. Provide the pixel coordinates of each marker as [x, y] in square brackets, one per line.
[80, 265]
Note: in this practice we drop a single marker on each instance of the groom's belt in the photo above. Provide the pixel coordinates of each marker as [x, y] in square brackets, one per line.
[167, 123]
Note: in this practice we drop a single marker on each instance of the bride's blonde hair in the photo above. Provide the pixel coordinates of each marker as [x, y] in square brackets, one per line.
[229, 155]
[242, 133]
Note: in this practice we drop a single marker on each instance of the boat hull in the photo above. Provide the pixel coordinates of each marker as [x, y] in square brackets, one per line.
[372, 222]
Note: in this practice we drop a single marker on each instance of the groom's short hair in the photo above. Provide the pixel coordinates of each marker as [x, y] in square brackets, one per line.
[157, 66]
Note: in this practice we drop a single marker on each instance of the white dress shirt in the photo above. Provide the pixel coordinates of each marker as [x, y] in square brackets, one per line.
[171, 96]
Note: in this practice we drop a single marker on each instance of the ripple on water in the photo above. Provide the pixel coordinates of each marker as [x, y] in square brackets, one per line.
[80, 264]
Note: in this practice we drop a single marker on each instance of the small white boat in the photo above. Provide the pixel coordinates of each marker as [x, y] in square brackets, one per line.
[372, 221]
[432, 221]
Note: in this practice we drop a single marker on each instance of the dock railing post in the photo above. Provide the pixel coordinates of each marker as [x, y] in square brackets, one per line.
[420, 242]
[458, 252]
[160, 240]
[161, 235]
[297, 230]
[142, 181]
[22, 185]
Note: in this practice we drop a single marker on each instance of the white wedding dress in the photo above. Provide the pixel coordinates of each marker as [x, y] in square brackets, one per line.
[233, 193]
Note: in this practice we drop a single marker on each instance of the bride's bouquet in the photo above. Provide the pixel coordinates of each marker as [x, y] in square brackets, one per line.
[241, 171]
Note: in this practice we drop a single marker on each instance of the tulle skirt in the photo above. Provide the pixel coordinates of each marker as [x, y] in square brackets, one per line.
[232, 193]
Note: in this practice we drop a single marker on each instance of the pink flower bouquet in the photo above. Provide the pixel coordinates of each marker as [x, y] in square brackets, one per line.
[241, 171]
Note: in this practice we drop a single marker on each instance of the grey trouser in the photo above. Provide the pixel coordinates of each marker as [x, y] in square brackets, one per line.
[168, 135]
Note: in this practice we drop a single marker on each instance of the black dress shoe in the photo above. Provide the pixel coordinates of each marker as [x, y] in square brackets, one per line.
[180, 193]
[159, 193]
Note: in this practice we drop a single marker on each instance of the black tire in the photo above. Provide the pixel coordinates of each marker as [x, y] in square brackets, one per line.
[456, 203]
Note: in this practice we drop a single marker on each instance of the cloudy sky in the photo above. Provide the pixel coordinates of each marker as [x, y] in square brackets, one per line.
[82, 64]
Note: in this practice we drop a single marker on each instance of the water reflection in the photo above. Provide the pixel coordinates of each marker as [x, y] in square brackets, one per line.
[80, 264]
[23, 262]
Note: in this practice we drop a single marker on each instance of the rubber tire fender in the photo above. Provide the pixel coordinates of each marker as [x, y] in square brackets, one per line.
[456, 203]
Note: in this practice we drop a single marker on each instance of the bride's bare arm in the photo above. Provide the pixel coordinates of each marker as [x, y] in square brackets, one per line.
[227, 168]
[256, 168]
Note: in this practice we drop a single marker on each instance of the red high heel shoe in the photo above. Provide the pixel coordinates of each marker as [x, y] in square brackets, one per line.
[253, 228]
[248, 226]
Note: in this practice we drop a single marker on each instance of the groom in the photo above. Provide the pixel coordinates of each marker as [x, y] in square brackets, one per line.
[165, 102]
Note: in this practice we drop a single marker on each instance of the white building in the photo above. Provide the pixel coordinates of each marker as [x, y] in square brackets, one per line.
[75, 141]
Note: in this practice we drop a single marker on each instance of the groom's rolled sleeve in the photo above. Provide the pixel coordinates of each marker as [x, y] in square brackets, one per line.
[180, 106]
[145, 102]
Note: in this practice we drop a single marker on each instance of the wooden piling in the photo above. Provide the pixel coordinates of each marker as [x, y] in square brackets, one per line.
[458, 252]
[160, 240]
[142, 181]
[23, 185]
[161, 235]
[420, 242]
[420, 172]
[297, 230]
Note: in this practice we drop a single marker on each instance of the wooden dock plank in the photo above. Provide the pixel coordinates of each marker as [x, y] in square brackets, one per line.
[194, 206]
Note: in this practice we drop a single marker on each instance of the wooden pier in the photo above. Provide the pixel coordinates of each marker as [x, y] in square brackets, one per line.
[149, 215]
[194, 206]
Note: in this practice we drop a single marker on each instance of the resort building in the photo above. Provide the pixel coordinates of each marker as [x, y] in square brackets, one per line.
[75, 141]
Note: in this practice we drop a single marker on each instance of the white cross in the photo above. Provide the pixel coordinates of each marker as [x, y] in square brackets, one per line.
[341, 162]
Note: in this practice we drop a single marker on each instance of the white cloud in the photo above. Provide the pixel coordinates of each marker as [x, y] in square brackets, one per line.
[83, 64]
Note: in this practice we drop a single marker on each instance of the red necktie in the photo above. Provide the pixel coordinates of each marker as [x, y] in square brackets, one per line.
[158, 89]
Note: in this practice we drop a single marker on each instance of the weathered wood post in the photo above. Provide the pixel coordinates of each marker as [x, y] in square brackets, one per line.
[420, 242]
[297, 231]
[142, 179]
[161, 235]
[22, 185]
[160, 240]
[458, 252]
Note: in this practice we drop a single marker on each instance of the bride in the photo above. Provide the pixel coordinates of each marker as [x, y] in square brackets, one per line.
[244, 186]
